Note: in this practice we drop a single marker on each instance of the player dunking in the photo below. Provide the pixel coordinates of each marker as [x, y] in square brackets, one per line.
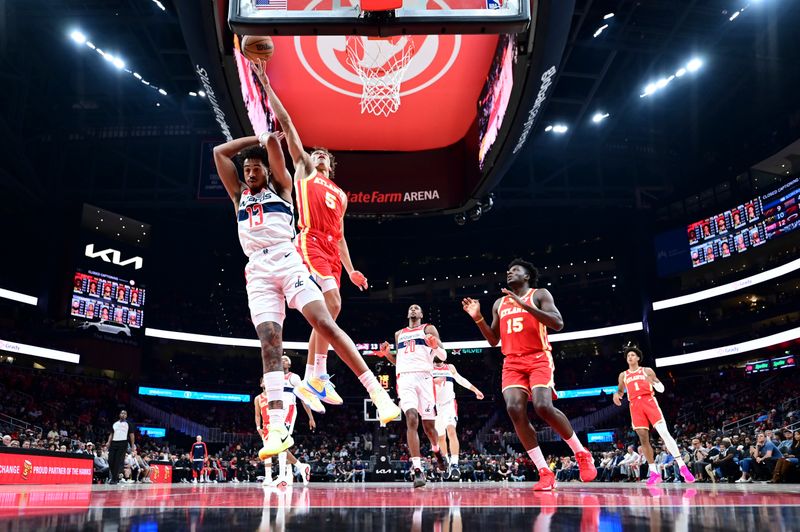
[444, 377]
[276, 275]
[320, 217]
[641, 383]
[519, 322]
[260, 402]
[199, 454]
[417, 345]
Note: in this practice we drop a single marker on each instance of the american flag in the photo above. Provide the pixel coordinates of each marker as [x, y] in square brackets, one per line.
[271, 4]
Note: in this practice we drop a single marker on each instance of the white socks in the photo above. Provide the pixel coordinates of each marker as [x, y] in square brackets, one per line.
[453, 459]
[537, 457]
[320, 364]
[309, 372]
[268, 468]
[282, 464]
[416, 462]
[368, 380]
[653, 469]
[273, 386]
[574, 443]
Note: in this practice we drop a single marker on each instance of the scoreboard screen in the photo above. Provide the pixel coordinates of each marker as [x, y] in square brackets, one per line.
[99, 296]
[769, 364]
[745, 226]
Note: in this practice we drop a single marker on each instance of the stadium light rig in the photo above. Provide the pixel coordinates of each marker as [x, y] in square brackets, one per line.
[693, 65]
[79, 38]
[559, 129]
[599, 117]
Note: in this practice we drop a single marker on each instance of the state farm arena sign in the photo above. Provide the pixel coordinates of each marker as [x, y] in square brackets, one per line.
[37, 469]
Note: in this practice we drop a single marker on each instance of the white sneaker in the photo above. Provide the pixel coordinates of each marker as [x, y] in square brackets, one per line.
[305, 473]
[267, 481]
[387, 409]
[194, 481]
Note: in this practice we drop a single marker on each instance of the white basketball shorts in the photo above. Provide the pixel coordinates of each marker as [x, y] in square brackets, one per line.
[277, 276]
[446, 415]
[415, 390]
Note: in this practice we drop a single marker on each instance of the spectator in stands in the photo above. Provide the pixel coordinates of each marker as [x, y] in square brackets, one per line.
[723, 464]
[359, 469]
[629, 466]
[479, 473]
[699, 459]
[788, 464]
[181, 469]
[786, 443]
[762, 459]
[7, 440]
[101, 469]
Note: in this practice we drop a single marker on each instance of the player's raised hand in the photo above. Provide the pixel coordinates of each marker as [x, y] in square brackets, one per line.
[431, 341]
[384, 350]
[471, 307]
[258, 68]
[513, 296]
[358, 279]
[617, 398]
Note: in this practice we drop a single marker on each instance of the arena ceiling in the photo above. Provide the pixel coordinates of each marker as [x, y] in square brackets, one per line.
[73, 124]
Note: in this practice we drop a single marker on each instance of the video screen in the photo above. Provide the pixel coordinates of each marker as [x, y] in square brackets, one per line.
[100, 297]
[600, 437]
[495, 96]
[745, 226]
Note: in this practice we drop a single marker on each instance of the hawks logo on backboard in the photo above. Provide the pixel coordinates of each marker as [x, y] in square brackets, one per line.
[326, 57]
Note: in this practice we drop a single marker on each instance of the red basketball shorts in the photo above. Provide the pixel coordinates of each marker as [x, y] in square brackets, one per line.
[321, 255]
[645, 412]
[535, 370]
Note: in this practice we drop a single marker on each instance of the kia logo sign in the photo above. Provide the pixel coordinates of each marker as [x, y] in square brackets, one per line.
[113, 256]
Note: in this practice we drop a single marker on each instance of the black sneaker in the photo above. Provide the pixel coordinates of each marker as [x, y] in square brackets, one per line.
[419, 478]
[455, 472]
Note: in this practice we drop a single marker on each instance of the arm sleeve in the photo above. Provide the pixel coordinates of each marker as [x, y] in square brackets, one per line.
[462, 380]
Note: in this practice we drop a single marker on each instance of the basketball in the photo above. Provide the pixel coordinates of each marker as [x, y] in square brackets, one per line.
[257, 47]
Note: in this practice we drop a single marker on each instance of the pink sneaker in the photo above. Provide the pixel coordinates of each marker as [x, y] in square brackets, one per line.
[654, 479]
[547, 481]
[586, 466]
[687, 475]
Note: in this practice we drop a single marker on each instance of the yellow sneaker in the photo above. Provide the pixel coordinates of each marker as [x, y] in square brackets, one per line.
[278, 440]
[387, 409]
[325, 389]
[309, 397]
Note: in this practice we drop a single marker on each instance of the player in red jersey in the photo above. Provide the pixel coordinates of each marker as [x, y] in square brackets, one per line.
[321, 206]
[519, 323]
[641, 384]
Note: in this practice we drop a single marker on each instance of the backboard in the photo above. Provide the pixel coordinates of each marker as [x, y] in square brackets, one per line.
[346, 17]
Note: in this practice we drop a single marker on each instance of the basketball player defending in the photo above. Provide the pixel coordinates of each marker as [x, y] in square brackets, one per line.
[276, 275]
[321, 206]
[519, 322]
[444, 377]
[290, 380]
[640, 383]
[417, 345]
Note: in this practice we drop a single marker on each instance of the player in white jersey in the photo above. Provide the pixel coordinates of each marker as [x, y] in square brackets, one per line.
[417, 345]
[290, 380]
[276, 274]
[444, 378]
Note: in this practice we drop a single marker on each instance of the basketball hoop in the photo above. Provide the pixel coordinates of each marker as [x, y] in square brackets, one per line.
[381, 65]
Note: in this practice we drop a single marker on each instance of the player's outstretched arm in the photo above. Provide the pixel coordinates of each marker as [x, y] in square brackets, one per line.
[460, 379]
[490, 332]
[293, 142]
[620, 390]
[356, 277]
[226, 168]
[433, 341]
[277, 163]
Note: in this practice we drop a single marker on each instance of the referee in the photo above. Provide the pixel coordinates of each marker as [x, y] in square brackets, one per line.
[121, 434]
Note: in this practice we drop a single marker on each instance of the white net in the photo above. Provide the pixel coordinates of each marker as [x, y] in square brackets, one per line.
[381, 65]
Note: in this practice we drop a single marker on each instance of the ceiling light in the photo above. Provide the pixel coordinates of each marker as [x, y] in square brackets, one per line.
[608, 16]
[599, 117]
[694, 65]
[78, 37]
[117, 62]
[202, 94]
[548, 128]
[560, 128]
[735, 15]
[600, 30]
[680, 72]
[192, 93]
[162, 91]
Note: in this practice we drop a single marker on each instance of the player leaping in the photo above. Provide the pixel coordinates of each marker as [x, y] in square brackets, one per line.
[417, 345]
[520, 320]
[320, 217]
[276, 275]
[641, 383]
[444, 377]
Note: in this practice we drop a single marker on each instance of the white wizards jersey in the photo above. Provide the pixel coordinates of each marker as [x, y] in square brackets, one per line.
[265, 220]
[413, 354]
[290, 380]
[443, 383]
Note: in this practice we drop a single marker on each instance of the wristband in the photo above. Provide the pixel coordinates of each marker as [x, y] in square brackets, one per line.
[262, 136]
[480, 320]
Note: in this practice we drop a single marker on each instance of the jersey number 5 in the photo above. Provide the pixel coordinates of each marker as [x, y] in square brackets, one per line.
[330, 200]
[255, 210]
[514, 325]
